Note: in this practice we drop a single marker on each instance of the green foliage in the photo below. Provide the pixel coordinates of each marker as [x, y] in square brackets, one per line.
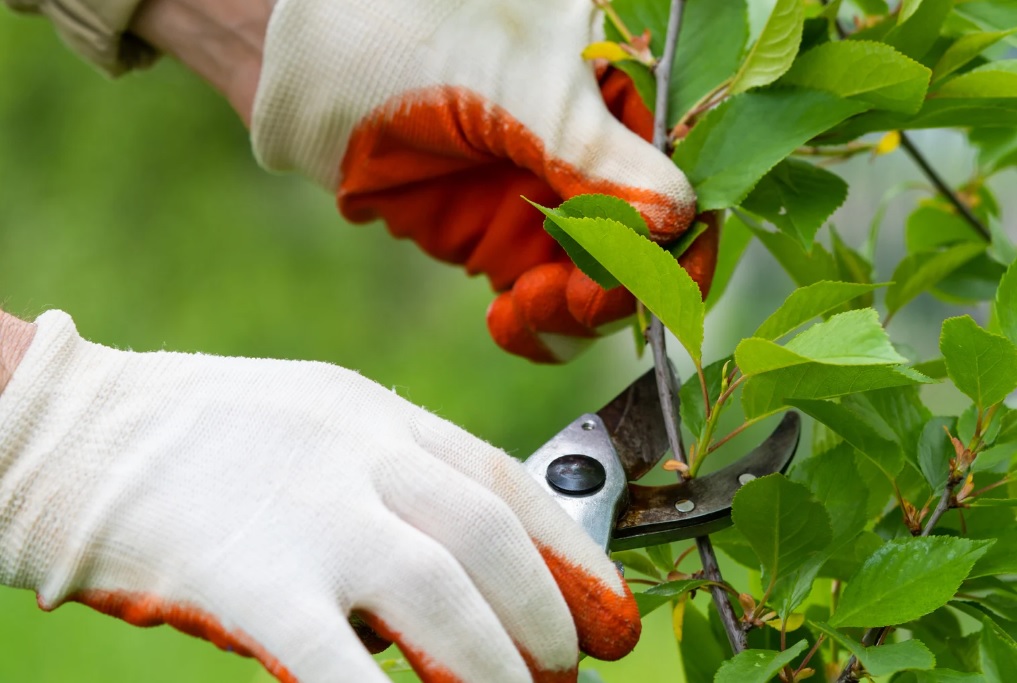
[797, 197]
[783, 523]
[774, 49]
[757, 666]
[806, 303]
[770, 120]
[664, 593]
[886, 659]
[870, 72]
[645, 269]
[906, 579]
[982, 365]
[723, 169]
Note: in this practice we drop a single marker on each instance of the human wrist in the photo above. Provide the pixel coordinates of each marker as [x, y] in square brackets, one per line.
[15, 337]
[221, 41]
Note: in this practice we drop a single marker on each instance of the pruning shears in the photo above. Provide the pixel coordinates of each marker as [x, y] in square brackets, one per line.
[590, 468]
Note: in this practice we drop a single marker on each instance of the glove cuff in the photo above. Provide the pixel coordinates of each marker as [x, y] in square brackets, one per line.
[52, 390]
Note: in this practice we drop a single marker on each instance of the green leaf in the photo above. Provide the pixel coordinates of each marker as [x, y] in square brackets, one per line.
[806, 303]
[663, 593]
[804, 267]
[981, 364]
[710, 44]
[906, 579]
[661, 556]
[993, 80]
[591, 206]
[824, 475]
[757, 666]
[882, 660]
[702, 652]
[769, 392]
[639, 16]
[964, 49]
[918, 26]
[850, 338]
[990, 14]
[935, 452]
[1006, 303]
[646, 270]
[797, 197]
[1001, 557]
[918, 272]
[734, 238]
[774, 50]
[635, 560]
[870, 72]
[589, 676]
[934, 225]
[736, 144]
[782, 522]
[998, 653]
[899, 409]
[997, 147]
[942, 676]
[690, 406]
[875, 445]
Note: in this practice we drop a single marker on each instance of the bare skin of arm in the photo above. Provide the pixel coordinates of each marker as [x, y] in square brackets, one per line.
[15, 336]
[220, 41]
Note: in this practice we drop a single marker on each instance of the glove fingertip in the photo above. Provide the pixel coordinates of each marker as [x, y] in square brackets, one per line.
[540, 296]
[607, 622]
[510, 332]
[594, 306]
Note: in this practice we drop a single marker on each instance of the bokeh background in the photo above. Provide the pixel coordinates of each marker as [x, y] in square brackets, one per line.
[136, 206]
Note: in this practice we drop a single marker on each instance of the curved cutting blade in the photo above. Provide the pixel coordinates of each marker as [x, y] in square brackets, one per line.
[636, 425]
[701, 506]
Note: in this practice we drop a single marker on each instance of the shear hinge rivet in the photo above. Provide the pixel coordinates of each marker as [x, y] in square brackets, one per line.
[576, 475]
[589, 425]
[744, 479]
[684, 506]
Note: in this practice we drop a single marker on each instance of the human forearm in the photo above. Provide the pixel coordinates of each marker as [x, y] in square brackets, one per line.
[15, 337]
[220, 41]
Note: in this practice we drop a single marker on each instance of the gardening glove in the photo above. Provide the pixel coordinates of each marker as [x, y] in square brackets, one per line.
[437, 116]
[260, 503]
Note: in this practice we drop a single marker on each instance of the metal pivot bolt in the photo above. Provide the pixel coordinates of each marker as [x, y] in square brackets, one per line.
[684, 505]
[576, 475]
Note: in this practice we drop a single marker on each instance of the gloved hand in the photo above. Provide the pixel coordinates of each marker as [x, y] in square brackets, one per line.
[436, 116]
[259, 503]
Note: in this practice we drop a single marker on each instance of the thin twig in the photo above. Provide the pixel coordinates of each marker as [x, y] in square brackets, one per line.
[928, 170]
[941, 508]
[735, 634]
[875, 635]
[944, 189]
[662, 72]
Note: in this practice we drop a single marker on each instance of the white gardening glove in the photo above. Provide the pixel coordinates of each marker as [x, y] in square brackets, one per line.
[437, 115]
[260, 503]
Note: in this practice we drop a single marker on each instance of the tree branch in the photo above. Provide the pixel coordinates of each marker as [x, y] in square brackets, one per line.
[655, 335]
[944, 189]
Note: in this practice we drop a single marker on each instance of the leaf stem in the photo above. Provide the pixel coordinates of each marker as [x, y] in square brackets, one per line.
[705, 102]
[613, 17]
[811, 653]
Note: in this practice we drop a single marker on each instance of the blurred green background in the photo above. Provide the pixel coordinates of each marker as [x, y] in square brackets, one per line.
[136, 206]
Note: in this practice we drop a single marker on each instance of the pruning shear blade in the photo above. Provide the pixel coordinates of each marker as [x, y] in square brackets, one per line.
[589, 467]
